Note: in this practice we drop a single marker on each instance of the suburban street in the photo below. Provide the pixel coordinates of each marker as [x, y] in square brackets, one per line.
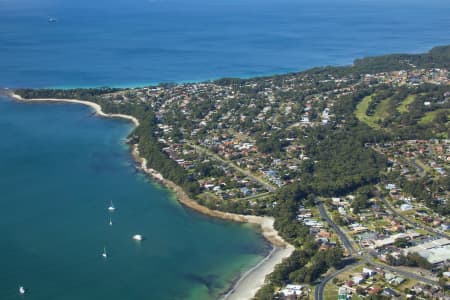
[367, 258]
[270, 187]
[412, 223]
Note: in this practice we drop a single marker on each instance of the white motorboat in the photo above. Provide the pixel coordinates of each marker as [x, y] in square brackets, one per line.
[21, 290]
[138, 237]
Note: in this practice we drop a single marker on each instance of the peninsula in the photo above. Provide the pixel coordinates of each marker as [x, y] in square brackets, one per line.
[326, 161]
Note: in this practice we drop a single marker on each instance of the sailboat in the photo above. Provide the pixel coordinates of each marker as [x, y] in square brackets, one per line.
[111, 207]
[21, 290]
[104, 255]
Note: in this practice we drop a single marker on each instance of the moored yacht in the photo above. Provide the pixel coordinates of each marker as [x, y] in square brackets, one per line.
[111, 207]
[21, 290]
[104, 255]
[138, 237]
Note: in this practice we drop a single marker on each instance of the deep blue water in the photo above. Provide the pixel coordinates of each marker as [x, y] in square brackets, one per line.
[59, 168]
[137, 42]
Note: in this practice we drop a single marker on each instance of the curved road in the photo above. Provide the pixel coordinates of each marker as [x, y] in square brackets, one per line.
[318, 293]
[347, 244]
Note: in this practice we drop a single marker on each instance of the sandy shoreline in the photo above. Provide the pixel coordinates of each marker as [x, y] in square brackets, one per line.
[250, 282]
[95, 106]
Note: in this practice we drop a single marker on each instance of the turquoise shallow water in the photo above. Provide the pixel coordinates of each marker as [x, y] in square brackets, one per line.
[60, 166]
[136, 42]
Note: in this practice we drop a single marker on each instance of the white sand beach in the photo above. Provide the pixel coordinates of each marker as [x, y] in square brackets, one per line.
[252, 280]
[95, 106]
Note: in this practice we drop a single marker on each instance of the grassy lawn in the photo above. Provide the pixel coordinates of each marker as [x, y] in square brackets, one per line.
[421, 231]
[330, 291]
[315, 212]
[429, 116]
[208, 196]
[403, 107]
[361, 110]
[381, 112]
[378, 223]
[409, 283]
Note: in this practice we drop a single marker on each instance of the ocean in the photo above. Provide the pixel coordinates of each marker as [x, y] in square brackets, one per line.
[140, 42]
[60, 166]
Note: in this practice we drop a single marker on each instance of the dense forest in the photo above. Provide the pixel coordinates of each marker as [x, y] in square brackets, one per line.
[438, 57]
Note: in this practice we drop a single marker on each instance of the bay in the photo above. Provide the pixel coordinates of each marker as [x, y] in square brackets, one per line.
[59, 168]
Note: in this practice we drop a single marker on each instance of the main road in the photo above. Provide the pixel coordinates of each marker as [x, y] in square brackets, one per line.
[367, 258]
[347, 244]
[318, 293]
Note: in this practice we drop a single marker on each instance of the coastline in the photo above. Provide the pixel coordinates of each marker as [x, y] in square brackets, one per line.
[97, 108]
[252, 280]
